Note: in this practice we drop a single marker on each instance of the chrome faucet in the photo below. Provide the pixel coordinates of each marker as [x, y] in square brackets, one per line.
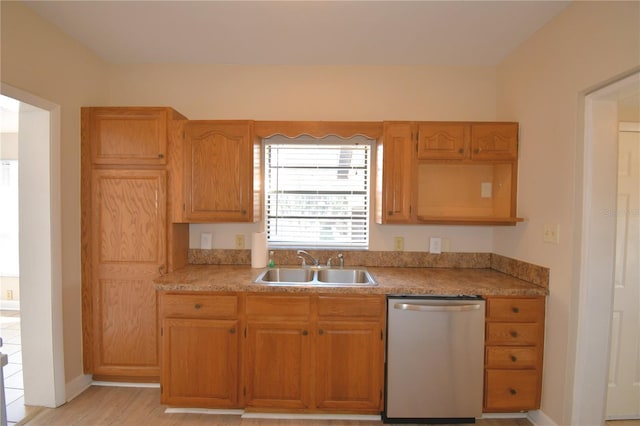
[302, 253]
[340, 260]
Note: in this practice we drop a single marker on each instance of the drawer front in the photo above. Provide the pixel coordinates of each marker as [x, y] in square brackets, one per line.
[199, 306]
[278, 306]
[515, 309]
[511, 357]
[345, 306]
[504, 333]
[511, 390]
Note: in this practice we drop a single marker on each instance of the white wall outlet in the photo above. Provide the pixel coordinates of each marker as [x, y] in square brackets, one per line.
[485, 189]
[398, 243]
[239, 241]
[206, 241]
[435, 245]
[551, 234]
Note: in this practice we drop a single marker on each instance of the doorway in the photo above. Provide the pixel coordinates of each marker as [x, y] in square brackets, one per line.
[40, 282]
[596, 246]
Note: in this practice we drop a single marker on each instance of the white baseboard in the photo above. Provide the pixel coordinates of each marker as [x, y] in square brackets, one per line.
[76, 386]
[539, 418]
[302, 416]
[518, 415]
[126, 384]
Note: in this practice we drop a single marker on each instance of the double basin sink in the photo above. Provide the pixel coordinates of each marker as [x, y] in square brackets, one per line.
[316, 276]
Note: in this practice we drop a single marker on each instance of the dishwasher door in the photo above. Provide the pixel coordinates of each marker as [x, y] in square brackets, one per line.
[435, 359]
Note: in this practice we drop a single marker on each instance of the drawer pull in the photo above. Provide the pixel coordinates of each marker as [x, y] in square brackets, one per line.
[515, 309]
[461, 151]
[160, 155]
[305, 332]
[513, 358]
[197, 306]
[232, 330]
[512, 391]
[513, 334]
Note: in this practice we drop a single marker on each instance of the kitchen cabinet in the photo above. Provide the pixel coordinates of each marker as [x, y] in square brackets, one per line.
[222, 172]
[328, 346]
[200, 349]
[127, 239]
[394, 174]
[448, 173]
[514, 340]
[349, 353]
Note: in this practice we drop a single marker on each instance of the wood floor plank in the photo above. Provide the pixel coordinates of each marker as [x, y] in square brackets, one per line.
[125, 406]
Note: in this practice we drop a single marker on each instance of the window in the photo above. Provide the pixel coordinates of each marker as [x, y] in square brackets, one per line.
[317, 191]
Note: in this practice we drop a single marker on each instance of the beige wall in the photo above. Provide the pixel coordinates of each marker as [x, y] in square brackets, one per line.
[39, 59]
[367, 93]
[541, 85]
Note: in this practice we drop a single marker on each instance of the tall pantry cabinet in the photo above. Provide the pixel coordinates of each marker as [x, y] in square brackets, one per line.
[127, 233]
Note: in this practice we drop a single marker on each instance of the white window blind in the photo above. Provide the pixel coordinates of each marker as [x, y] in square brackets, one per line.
[317, 192]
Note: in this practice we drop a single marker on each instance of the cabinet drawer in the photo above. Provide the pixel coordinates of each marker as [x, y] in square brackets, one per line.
[504, 333]
[511, 390]
[345, 306]
[515, 309]
[278, 306]
[199, 306]
[511, 357]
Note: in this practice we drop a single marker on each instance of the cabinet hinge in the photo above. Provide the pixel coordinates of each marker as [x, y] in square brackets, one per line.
[244, 391]
[381, 335]
[245, 331]
[161, 331]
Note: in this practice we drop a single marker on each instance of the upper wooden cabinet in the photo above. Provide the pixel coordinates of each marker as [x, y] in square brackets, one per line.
[448, 173]
[394, 174]
[129, 135]
[222, 172]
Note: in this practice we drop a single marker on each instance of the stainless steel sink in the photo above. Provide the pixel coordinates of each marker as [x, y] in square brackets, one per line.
[321, 277]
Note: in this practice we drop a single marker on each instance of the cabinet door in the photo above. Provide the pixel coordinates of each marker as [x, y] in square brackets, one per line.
[394, 174]
[349, 363]
[129, 242]
[443, 141]
[200, 362]
[219, 173]
[128, 135]
[494, 141]
[277, 367]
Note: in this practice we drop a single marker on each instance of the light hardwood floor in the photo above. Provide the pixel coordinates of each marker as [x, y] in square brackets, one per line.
[113, 406]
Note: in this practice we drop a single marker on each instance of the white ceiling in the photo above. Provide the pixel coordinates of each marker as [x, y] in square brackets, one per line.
[301, 32]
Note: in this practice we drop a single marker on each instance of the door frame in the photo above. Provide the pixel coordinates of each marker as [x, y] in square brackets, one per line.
[40, 251]
[596, 189]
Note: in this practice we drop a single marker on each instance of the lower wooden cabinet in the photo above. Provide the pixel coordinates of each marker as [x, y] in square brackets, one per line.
[314, 352]
[514, 337]
[200, 355]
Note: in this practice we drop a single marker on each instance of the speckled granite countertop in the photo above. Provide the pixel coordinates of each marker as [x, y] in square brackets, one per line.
[391, 280]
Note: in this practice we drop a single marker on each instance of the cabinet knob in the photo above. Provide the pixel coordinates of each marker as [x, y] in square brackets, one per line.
[512, 391]
[321, 332]
[389, 213]
[160, 155]
[197, 306]
[515, 309]
[477, 150]
[461, 151]
[305, 332]
[232, 330]
[513, 333]
[513, 358]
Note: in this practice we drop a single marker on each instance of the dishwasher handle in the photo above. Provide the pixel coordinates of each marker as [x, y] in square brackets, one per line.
[426, 307]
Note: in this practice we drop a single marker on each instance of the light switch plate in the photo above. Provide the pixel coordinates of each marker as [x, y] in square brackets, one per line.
[435, 245]
[206, 241]
[551, 234]
[485, 189]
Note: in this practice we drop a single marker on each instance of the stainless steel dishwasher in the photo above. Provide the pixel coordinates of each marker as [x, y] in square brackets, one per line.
[435, 359]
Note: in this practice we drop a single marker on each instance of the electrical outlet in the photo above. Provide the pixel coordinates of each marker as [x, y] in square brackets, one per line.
[551, 234]
[398, 243]
[435, 245]
[239, 241]
[9, 294]
[205, 241]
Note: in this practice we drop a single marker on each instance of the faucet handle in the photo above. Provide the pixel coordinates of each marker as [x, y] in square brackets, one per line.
[304, 263]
